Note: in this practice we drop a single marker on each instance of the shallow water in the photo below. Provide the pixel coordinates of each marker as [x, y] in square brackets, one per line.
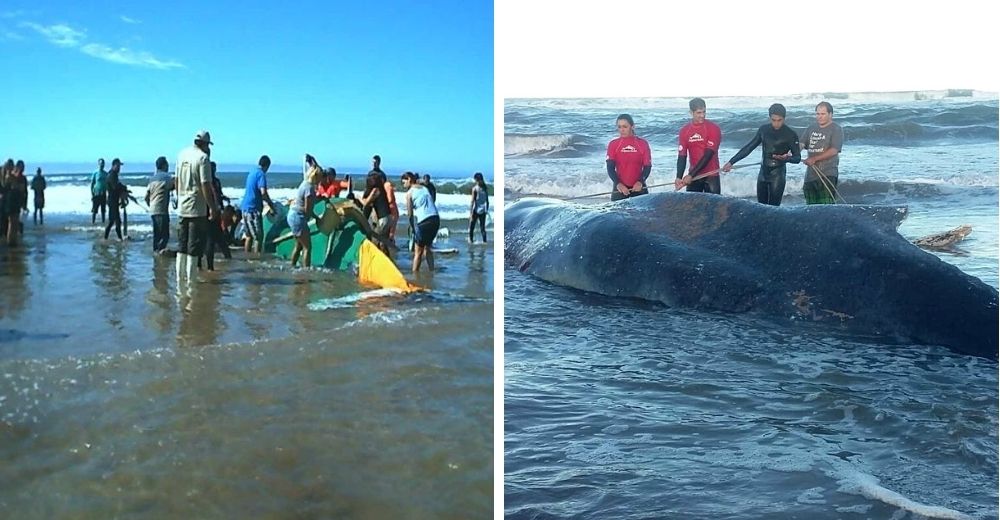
[250, 395]
[632, 410]
[618, 408]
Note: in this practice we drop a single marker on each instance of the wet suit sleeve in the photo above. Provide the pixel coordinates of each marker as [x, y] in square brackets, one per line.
[796, 157]
[682, 155]
[747, 148]
[647, 162]
[709, 153]
[612, 170]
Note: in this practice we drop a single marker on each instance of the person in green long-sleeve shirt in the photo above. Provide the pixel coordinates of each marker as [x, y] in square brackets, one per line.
[98, 187]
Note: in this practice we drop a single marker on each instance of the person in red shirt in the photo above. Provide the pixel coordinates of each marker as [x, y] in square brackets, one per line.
[629, 161]
[330, 187]
[700, 140]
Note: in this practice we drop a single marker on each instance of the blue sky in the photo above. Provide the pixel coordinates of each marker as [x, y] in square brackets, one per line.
[343, 81]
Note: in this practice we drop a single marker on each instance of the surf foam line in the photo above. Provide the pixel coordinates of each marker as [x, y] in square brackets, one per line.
[350, 300]
[868, 486]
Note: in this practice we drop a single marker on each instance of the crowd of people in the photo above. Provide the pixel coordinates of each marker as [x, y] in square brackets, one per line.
[208, 221]
[629, 161]
[14, 199]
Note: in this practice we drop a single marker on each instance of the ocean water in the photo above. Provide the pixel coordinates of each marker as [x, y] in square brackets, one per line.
[621, 408]
[69, 192]
[262, 392]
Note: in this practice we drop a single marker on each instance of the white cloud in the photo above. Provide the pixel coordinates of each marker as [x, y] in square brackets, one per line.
[128, 56]
[12, 14]
[10, 35]
[65, 36]
[126, 19]
[58, 34]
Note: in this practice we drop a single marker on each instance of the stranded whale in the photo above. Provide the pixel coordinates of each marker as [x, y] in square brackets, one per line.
[841, 264]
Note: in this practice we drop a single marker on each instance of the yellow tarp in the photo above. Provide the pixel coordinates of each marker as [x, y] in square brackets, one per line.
[377, 269]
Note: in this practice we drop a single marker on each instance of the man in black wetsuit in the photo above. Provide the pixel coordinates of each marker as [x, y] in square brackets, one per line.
[115, 192]
[781, 146]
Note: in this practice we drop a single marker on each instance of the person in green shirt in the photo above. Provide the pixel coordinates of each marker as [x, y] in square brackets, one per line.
[98, 187]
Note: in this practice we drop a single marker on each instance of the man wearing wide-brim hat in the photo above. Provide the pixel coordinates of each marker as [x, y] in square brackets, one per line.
[196, 203]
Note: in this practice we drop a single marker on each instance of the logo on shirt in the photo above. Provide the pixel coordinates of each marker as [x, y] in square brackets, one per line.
[816, 141]
[629, 149]
[695, 138]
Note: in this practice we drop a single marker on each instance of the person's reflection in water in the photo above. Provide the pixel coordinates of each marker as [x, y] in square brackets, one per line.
[108, 267]
[478, 277]
[200, 322]
[257, 323]
[158, 296]
[14, 289]
[300, 295]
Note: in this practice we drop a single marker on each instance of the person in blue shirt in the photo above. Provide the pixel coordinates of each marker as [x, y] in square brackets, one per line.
[252, 206]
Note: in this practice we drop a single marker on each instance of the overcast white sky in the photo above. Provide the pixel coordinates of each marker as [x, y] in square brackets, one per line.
[557, 48]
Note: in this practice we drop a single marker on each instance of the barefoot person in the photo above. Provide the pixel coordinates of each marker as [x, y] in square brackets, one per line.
[301, 212]
[480, 207]
[424, 220]
[252, 205]
[38, 186]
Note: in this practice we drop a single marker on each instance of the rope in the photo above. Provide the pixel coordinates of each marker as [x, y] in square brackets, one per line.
[828, 184]
[701, 176]
[695, 178]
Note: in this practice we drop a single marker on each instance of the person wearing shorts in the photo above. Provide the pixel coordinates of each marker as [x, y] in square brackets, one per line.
[424, 218]
[252, 205]
[299, 214]
[823, 141]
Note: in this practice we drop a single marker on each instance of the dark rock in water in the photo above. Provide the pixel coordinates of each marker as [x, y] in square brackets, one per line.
[944, 241]
[841, 264]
